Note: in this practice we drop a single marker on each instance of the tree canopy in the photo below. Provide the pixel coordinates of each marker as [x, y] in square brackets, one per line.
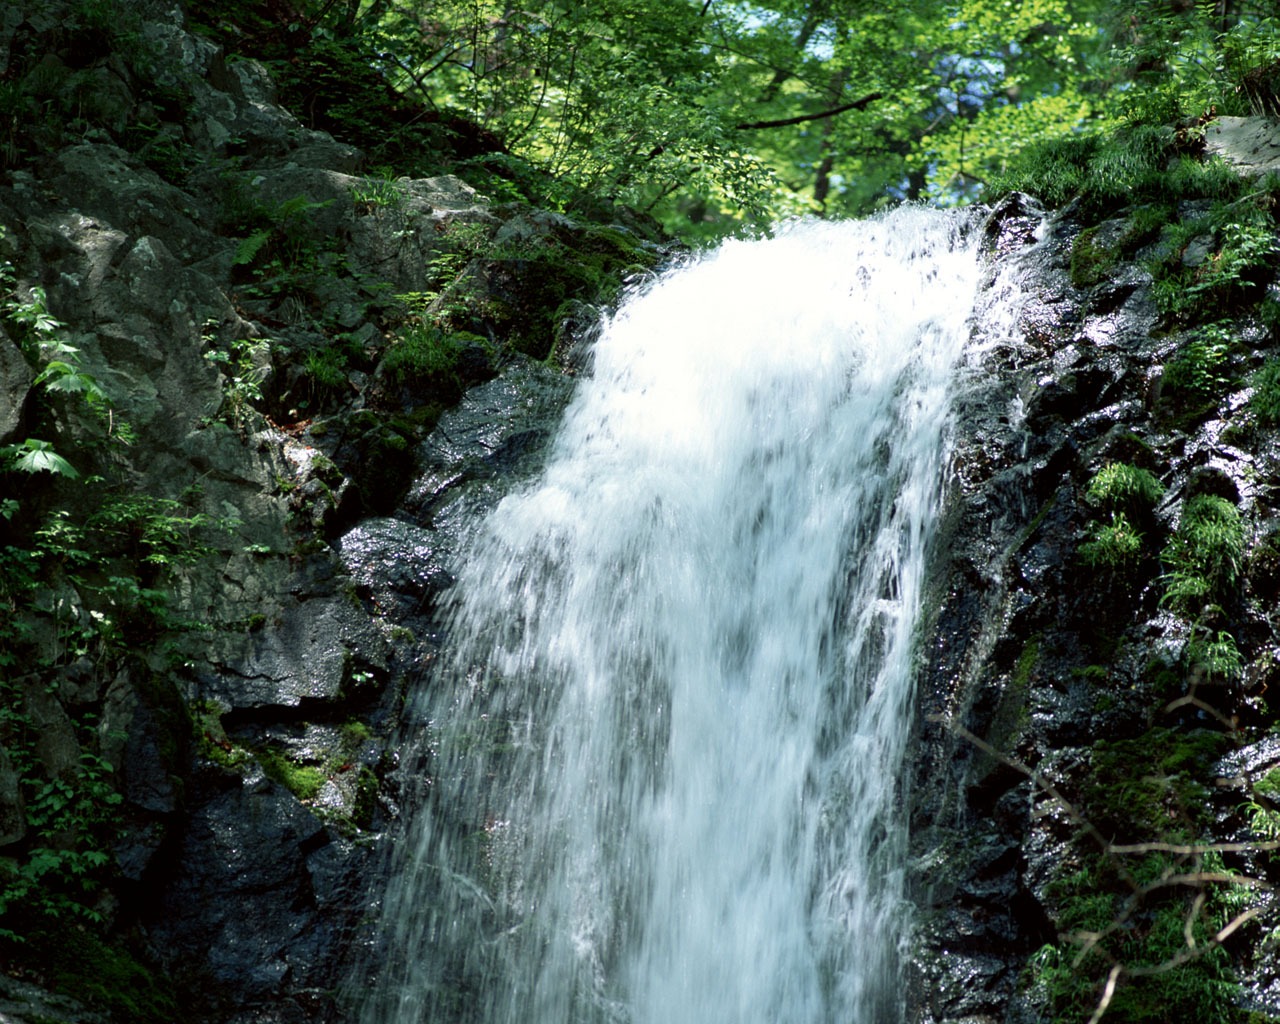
[711, 113]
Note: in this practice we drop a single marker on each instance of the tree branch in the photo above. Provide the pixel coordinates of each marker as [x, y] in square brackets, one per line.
[786, 122]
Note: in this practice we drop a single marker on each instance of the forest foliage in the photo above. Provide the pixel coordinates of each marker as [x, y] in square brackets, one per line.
[708, 114]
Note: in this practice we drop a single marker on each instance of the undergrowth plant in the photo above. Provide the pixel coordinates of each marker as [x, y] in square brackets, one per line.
[1125, 496]
[1204, 557]
[1240, 232]
[1264, 401]
[1198, 376]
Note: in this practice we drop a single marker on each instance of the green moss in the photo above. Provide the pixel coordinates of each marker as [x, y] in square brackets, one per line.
[1097, 674]
[1269, 784]
[303, 781]
[105, 976]
[1151, 787]
[1090, 260]
[355, 733]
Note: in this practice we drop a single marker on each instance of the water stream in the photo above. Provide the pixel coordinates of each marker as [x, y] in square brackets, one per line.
[662, 770]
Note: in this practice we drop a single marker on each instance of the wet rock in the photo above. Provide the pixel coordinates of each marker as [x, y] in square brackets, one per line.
[309, 655]
[398, 564]
[240, 898]
[497, 432]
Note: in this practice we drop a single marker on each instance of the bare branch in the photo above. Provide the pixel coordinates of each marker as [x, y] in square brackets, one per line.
[1192, 848]
[1107, 993]
[1194, 954]
[787, 122]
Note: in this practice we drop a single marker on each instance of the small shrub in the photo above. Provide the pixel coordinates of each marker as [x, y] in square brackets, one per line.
[1197, 377]
[1242, 254]
[1264, 403]
[1113, 545]
[1216, 656]
[1121, 487]
[1205, 554]
[327, 367]
[420, 353]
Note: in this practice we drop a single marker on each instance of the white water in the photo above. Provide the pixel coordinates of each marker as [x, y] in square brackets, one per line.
[665, 770]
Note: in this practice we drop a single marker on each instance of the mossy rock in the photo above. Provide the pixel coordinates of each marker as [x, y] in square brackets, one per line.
[1154, 786]
[102, 973]
[1091, 258]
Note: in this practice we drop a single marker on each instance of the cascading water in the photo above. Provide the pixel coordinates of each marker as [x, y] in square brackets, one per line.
[663, 765]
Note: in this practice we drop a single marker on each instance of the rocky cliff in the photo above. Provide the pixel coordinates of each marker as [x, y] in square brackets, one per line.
[1095, 822]
[230, 351]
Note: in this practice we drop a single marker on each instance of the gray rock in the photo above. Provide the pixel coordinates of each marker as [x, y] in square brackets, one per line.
[15, 383]
[13, 818]
[24, 1003]
[1249, 144]
[142, 742]
[56, 748]
[310, 655]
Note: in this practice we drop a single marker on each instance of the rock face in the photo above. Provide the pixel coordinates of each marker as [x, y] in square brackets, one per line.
[303, 382]
[1089, 730]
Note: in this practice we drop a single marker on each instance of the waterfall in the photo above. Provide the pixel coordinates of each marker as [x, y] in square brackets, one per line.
[662, 769]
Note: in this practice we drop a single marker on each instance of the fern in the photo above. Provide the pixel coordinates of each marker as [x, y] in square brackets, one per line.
[248, 249]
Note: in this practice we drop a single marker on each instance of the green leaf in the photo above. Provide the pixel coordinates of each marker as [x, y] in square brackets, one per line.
[34, 456]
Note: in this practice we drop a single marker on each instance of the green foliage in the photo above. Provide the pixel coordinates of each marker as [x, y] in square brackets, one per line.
[153, 531]
[1115, 544]
[375, 193]
[280, 254]
[1120, 487]
[1147, 933]
[421, 353]
[36, 456]
[244, 372]
[1214, 656]
[71, 821]
[1196, 378]
[1111, 167]
[1151, 786]
[1185, 60]
[1242, 251]
[1264, 402]
[1204, 556]
[1126, 495]
[710, 117]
